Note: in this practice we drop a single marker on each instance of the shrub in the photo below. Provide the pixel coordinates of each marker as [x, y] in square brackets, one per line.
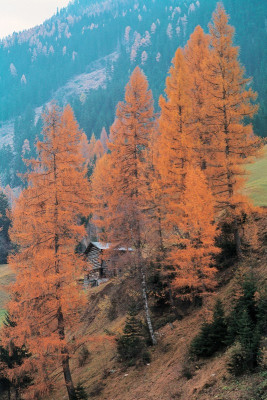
[97, 389]
[187, 371]
[83, 356]
[235, 363]
[158, 290]
[112, 311]
[80, 392]
[146, 357]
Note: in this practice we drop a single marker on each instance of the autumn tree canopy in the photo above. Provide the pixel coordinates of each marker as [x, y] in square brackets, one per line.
[230, 107]
[45, 300]
[127, 175]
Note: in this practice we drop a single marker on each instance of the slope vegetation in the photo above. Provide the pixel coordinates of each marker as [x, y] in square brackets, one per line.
[171, 374]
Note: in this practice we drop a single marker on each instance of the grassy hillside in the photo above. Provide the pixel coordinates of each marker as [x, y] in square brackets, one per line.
[6, 277]
[256, 187]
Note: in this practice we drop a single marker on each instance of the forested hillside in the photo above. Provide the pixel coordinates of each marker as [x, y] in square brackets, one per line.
[136, 262]
[85, 53]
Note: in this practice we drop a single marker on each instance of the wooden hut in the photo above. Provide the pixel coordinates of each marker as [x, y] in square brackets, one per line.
[101, 262]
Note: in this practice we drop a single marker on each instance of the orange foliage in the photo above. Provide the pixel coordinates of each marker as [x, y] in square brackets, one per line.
[196, 55]
[186, 204]
[104, 139]
[125, 166]
[229, 102]
[193, 244]
[98, 149]
[122, 215]
[45, 298]
[175, 143]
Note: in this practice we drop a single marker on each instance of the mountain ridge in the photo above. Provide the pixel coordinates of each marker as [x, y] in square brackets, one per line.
[37, 63]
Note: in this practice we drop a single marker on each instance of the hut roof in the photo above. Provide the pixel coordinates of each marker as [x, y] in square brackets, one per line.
[105, 246]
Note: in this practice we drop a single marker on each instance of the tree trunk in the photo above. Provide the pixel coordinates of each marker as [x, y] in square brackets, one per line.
[148, 317]
[67, 375]
[60, 317]
[17, 396]
[65, 358]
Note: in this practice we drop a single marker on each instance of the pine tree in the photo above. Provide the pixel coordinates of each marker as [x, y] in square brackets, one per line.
[81, 393]
[4, 226]
[246, 327]
[131, 344]
[249, 337]
[45, 298]
[13, 376]
[212, 336]
[244, 302]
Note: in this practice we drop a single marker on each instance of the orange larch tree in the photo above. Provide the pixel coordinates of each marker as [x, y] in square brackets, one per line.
[98, 150]
[196, 54]
[92, 146]
[191, 255]
[45, 299]
[175, 143]
[85, 148]
[103, 188]
[124, 216]
[91, 151]
[188, 240]
[153, 197]
[104, 139]
[229, 107]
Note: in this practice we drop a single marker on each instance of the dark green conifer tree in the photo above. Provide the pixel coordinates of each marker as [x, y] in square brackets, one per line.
[10, 357]
[212, 336]
[4, 226]
[131, 345]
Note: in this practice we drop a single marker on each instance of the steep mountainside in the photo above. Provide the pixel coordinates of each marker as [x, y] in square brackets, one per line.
[171, 373]
[85, 53]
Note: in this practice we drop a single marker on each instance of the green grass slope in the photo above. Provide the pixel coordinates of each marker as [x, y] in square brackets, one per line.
[6, 277]
[256, 186]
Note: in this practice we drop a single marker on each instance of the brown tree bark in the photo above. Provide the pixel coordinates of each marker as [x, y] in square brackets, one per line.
[65, 358]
